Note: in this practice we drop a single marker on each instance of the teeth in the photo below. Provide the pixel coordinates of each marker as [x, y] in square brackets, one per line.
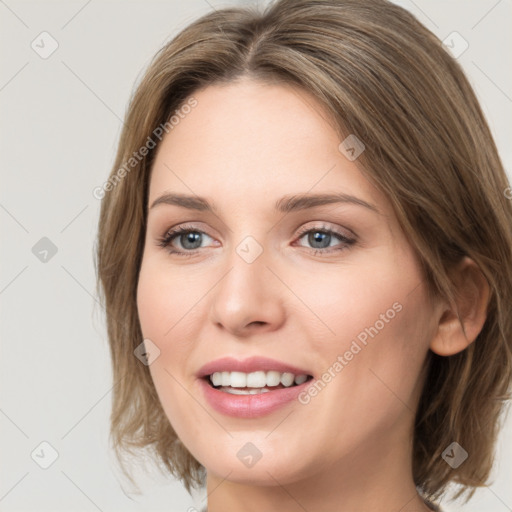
[301, 379]
[273, 378]
[258, 379]
[287, 379]
[238, 380]
[217, 379]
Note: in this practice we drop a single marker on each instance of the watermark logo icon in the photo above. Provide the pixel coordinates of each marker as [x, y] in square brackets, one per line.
[455, 44]
[44, 45]
[249, 455]
[44, 455]
[351, 147]
[147, 352]
[44, 250]
[454, 455]
[249, 249]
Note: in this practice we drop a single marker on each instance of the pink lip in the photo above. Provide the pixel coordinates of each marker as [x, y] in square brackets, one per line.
[249, 406]
[252, 364]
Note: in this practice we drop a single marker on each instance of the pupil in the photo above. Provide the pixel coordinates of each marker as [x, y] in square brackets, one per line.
[191, 238]
[317, 236]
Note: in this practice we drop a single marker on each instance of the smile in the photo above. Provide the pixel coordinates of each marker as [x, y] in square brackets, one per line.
[251, 388]
[240, 383]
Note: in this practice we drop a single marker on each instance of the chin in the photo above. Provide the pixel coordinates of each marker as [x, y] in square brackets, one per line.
[271, 469]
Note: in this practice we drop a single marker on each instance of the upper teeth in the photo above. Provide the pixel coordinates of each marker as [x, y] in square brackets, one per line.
[258, 379]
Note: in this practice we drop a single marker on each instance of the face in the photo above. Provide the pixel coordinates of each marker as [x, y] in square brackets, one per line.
[329, 289]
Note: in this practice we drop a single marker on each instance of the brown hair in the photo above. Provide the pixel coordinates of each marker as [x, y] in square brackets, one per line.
[384, 77]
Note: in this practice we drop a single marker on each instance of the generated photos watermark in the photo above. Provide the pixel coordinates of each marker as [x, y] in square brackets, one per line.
[356, 346]
[137, 156]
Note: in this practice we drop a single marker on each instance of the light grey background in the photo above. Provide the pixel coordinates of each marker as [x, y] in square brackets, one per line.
[60, 122]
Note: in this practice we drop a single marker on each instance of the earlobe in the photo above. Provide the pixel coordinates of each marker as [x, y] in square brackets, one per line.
[457, 331]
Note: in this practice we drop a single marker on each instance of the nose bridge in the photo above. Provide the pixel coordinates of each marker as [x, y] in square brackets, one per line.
[248, 294]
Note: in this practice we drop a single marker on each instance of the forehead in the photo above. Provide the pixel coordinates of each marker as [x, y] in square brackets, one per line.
[247, 117]
[255, 140]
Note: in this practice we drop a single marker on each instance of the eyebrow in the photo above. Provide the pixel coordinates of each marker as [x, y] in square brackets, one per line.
[286, 204]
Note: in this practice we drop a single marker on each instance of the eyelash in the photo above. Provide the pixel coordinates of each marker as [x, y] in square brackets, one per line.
[170, 235]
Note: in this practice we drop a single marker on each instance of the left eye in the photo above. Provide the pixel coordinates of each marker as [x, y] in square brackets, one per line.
[322, 238]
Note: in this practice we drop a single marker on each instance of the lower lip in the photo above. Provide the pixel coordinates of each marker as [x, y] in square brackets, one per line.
[250, 406]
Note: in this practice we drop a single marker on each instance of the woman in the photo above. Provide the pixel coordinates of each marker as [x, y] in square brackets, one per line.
[305, 255]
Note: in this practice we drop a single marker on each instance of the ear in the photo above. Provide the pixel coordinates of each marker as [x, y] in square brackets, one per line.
[471, 300]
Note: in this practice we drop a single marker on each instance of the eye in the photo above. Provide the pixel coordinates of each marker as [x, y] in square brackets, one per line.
[189, 239]
[321, 239]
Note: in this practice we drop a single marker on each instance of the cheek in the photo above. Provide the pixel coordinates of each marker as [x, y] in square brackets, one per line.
[161, 304]
[352, 301]
[165, 302]
[377, 336]
[380, 297]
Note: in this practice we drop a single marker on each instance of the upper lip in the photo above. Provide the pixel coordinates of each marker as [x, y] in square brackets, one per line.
[251, 364]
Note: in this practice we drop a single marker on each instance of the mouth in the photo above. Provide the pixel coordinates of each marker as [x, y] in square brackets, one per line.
[254, 383]
[253, 387]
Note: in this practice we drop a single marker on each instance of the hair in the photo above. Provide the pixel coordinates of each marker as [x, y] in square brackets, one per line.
[384, 77]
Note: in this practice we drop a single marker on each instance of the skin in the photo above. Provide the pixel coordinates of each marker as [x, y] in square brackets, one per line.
[243, 147]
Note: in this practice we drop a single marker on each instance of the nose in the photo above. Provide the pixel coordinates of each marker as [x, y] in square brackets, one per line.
[248, 299]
